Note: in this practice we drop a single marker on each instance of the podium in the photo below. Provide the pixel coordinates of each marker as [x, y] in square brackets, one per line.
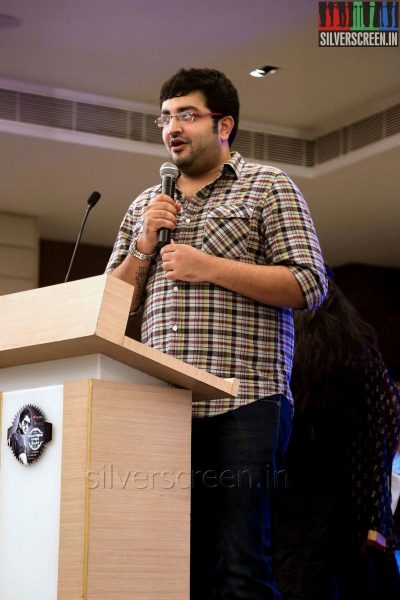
[104, 512]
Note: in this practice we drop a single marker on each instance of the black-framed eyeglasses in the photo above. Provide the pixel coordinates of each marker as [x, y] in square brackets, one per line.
[186, 116]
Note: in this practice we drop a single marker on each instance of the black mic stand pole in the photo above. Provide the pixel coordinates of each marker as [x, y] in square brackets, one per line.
[92, 201]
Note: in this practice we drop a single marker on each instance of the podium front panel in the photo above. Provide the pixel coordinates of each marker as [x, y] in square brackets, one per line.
[30, 503]
[105, 510]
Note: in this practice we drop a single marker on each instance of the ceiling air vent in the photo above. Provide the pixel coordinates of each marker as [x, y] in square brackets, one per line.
[309, 153]
[40, 109]
[136, 127]
[392, 120]
[366, 131]
[152, 133]
[286, 149]
[101, 120]
[44, 110]
[259, 145]
[328, 146]
[8, 105]
[243, 143]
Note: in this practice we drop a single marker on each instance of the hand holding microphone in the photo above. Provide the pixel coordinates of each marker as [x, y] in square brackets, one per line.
[160, 214]
[169, 173]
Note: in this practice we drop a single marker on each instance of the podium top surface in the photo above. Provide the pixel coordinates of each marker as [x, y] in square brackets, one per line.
[90, 316]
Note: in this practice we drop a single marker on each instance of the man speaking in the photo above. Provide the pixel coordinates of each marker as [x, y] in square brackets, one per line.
[219, 295]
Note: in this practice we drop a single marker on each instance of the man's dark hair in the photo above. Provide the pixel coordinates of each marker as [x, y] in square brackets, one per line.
[25, 413]
[220, 93]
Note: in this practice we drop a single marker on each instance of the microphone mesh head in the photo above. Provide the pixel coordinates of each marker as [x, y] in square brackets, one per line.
[94, 198]
[169, 170]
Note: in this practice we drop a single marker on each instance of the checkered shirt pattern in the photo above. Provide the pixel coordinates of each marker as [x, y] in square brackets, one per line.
[254, 214]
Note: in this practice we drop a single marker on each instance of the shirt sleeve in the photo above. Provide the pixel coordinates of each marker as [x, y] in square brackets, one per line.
[291, 239]
[131, 227]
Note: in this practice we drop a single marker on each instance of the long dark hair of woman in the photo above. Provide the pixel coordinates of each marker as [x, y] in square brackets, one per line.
[330, 341]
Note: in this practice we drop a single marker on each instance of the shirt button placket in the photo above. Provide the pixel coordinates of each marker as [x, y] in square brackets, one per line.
[174, 314]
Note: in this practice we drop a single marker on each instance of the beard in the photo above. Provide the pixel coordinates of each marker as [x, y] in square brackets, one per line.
[183, 161]
[195, 162]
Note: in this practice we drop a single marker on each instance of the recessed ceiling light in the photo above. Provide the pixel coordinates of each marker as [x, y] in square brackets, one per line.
[9, 22]
[263, 71]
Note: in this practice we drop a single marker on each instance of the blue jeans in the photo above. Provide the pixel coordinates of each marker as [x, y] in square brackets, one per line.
[236, 459]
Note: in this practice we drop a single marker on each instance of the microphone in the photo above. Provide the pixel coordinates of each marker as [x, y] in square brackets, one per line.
[91, 202]
[169, 173]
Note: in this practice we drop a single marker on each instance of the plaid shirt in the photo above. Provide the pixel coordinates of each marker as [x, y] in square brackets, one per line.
[254, 214]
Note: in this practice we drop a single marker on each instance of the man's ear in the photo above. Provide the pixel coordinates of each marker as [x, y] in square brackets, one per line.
[225, 126]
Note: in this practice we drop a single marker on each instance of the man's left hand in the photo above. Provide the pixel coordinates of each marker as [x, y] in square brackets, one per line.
[184, 263]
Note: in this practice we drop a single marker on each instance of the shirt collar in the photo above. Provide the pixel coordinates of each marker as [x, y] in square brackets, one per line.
[235, 163]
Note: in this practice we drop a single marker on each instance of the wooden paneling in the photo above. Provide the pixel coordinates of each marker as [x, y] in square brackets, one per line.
[89, 316]
[125, 499]
[64, 312]
[74, 502]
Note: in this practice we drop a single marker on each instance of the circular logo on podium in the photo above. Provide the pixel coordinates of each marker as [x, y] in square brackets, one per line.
[29, 434]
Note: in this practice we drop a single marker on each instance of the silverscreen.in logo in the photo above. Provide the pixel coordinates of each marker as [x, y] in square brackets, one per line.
[358, 24]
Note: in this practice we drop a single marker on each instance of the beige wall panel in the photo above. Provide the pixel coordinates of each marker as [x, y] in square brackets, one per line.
[125, 527]
[19, 253]
[18, 230]
[21, 262]
[12, 285]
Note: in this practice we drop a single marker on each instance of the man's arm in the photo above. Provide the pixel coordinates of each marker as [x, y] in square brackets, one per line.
[133, 271]
[294, 274]
[160, 212]
[273, 285]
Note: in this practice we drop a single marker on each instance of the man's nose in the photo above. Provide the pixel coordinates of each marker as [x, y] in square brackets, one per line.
[174, 124]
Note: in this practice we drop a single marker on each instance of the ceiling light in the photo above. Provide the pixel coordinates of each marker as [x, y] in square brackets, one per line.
[263, 71]
[9, 22]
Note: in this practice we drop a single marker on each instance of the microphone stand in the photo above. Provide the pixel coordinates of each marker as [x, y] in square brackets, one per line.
[92, 201]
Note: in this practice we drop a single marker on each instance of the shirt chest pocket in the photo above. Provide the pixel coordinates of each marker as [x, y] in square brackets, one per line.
[226, 231]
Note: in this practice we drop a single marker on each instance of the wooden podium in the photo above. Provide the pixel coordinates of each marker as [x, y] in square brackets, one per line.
[105, 511]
